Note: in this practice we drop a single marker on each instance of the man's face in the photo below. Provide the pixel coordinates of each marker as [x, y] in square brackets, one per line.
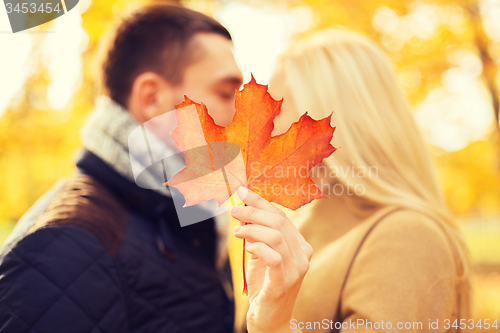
[213, 78]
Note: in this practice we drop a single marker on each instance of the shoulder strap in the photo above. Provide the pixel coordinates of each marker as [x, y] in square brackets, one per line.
[85, 202]
[385, 212]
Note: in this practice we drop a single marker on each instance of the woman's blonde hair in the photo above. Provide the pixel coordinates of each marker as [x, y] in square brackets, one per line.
[341, 71]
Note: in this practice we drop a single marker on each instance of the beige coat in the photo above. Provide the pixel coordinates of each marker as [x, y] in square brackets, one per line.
[395, 266]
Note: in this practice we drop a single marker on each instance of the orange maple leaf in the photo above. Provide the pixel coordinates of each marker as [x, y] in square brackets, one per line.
[276, 167]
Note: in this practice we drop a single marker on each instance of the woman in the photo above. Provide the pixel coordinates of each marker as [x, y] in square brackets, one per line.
[387, 255]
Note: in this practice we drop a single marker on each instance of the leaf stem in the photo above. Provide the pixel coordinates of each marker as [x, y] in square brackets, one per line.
[245, 285]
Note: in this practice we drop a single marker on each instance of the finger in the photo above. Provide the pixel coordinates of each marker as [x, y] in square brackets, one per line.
[272, 238]
[253, 199]
[273, 221]
[249, 214]
[272, 259]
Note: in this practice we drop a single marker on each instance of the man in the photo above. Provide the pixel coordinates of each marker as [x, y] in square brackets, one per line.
[98, 253]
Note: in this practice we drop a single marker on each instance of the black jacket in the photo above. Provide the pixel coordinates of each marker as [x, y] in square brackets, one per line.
[98, 254]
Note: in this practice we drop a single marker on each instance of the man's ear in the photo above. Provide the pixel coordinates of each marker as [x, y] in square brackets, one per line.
[150, 96]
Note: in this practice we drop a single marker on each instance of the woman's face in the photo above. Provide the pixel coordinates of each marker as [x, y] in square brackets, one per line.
[289, 113]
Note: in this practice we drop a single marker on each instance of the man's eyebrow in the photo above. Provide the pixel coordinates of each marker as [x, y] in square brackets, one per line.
[237, 81]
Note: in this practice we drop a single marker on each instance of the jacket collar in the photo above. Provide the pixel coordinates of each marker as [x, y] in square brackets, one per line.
[152, 205]
[145, 201]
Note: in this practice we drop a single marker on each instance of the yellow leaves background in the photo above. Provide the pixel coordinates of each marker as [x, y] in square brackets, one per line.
[38, 143]
[428, 41]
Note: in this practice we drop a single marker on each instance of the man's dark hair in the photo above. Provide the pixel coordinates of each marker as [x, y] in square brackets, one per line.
[156, 38]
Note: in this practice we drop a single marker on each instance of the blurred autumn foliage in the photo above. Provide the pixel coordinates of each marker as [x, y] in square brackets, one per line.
[38, 143]
[446, 53]
[470, 176]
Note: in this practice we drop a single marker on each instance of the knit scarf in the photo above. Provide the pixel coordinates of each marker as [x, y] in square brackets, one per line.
[106, 134]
